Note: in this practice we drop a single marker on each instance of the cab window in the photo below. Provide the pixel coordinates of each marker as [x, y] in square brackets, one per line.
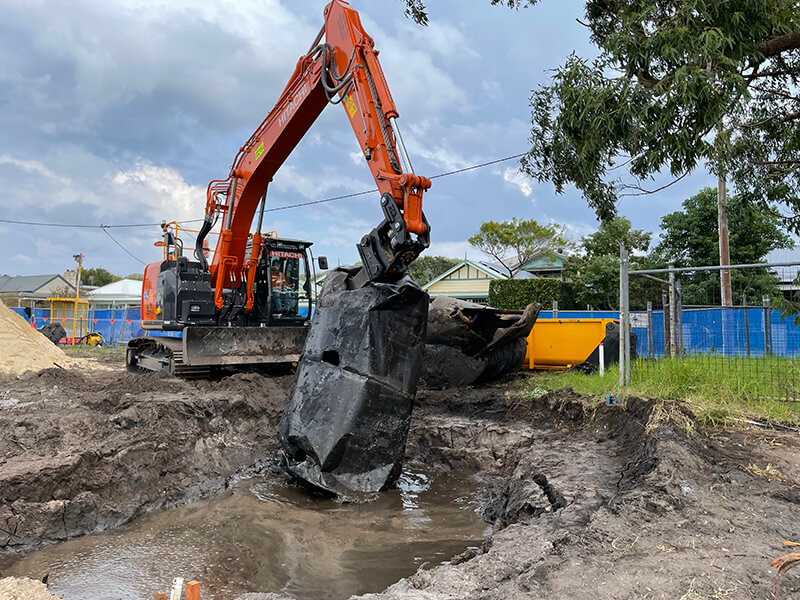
[287, 274]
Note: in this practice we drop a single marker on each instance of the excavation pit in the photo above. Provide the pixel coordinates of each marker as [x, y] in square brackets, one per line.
[615, 499]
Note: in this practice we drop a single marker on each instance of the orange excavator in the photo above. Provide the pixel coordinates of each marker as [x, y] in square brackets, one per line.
[252, 303]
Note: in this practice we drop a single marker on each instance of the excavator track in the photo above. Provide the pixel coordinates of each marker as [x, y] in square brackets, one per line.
[163, 355]
[203, 350]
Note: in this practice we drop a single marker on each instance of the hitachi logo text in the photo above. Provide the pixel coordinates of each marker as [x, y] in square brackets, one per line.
[293, 104]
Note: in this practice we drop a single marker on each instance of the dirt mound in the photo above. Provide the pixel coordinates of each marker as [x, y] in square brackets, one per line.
[23, 349]
[250, 383]
[22, 588]
[57, 377]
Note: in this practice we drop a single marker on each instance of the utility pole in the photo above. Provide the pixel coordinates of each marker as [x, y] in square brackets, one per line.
[78, 259]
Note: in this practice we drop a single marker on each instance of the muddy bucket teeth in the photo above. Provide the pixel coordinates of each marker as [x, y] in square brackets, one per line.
[345, 426]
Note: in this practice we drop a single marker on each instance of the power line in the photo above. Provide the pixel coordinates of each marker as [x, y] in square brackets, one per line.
[473, 167]
[298, 205]
[373, 190]
[275, 209]
[123, 247]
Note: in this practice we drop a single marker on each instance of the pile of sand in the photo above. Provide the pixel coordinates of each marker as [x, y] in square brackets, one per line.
[22, 588]
[22, 348]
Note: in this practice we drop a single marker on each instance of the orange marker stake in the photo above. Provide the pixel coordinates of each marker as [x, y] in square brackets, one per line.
[192, 591]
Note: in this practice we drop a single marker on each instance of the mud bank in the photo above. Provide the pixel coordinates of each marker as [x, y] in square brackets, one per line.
[629, 501]
[83, 452]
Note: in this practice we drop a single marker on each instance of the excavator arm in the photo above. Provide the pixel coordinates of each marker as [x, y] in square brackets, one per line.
[342, 67]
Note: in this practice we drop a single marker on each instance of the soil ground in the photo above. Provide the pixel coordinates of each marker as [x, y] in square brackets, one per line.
[627, 501]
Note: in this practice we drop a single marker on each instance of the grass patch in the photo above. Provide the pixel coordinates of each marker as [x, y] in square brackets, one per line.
[716, 389]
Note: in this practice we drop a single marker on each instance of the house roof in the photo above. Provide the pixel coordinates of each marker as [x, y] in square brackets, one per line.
[494, 271]
[489, 270]
[502, 271]
[544, 262]
[29, 284]
[124, 290]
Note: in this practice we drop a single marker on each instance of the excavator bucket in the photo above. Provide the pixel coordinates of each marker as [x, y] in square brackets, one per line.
[345, 427]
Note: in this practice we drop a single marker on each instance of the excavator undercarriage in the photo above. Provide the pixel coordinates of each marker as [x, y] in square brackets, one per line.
[202, 351]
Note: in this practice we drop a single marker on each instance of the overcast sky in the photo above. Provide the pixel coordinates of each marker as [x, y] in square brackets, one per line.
[120, 112]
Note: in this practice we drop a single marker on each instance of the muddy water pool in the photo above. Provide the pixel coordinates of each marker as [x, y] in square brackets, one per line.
[268, 535]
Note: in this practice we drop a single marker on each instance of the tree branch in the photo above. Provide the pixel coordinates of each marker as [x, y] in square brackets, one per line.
[779, 93]
[777, 162]
[644, 192]
[756, 75]
[780, 44]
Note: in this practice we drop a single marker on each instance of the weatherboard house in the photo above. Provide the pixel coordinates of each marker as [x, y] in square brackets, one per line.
[468, 280]
[549, 265]
[119, 294]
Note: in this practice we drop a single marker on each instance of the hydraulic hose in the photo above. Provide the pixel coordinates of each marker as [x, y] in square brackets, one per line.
[201, 236]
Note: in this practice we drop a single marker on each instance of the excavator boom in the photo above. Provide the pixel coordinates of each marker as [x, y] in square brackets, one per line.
[342, 67]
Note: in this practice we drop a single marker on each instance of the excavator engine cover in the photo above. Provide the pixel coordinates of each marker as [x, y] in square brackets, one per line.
[345, 426]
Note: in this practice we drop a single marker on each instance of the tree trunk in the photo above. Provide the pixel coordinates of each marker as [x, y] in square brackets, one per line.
[724, 248]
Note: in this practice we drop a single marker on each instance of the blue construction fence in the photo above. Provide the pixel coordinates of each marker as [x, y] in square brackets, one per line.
[730, 331]
[734, 331]
[117, 326]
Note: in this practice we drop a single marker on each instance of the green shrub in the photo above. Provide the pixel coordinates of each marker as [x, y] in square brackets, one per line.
[516, 294]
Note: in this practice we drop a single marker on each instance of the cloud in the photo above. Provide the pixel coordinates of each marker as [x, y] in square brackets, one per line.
[492, 89]
[457, 249]
[419, 86]
[32, 167]
[358, 158]
[576, 230]
[442, 39]
[443, 157]
[121, 112]
[161, 191]
[139, 76]
[25, 259]
[315, 184]
[520, 180]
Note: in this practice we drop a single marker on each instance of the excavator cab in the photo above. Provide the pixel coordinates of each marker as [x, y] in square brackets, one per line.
[289, 281]
[177, 296]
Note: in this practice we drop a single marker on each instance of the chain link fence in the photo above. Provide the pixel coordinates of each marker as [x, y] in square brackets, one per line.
[753, 350]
